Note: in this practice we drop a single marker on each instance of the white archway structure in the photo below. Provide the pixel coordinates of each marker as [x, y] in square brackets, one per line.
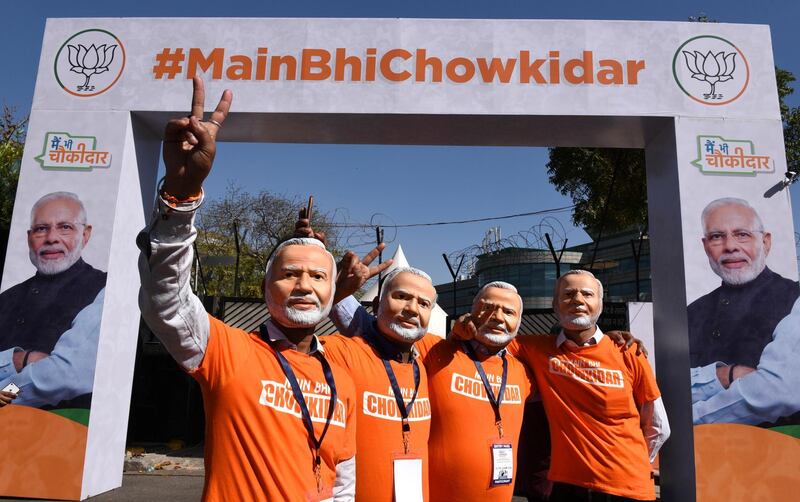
[701, 99]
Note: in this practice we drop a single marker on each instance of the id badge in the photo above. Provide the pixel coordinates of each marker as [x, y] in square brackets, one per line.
[407, 477]
[502, 463]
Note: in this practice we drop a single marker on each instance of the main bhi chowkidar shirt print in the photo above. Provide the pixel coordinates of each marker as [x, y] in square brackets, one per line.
[379, 435]
[463, 424]
[592, 395]
[257, 447]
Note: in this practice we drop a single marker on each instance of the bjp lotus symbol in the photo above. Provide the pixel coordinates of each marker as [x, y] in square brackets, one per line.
[706, 65]
[90, 61]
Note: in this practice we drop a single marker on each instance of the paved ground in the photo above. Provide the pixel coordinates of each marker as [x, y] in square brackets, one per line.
[157, 473]
[152, 487]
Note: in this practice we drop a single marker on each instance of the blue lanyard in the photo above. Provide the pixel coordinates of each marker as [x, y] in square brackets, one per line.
[494, 401]
[379, 344]
[398, 397]
[301, 402]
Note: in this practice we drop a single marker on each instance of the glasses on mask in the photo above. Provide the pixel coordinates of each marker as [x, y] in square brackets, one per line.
[740, 236]
[63, 229]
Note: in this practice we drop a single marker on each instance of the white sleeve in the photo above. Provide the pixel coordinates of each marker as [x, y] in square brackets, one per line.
[768, 393]
[655, 426]
[169, 307]
[344, 489]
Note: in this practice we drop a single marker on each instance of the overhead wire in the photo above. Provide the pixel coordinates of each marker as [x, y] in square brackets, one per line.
[458, 222]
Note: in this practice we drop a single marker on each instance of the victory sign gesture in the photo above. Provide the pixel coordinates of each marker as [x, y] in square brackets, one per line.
[190, 144]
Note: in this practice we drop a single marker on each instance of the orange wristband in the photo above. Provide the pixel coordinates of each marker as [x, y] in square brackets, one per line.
[173, 201]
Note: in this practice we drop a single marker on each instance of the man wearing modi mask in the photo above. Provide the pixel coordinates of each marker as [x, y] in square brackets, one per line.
[478, 394]
[606, 418]
[280, 418]
[394, 406]
[433, 414]
[472, 393]
[459, 401]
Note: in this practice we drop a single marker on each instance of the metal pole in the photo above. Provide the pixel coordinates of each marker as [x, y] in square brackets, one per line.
[556, 259]
[454, 274]
[637, 255]
[236, 267]
[378, 240]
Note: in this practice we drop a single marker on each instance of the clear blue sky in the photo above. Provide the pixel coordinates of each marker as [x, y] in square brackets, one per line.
[441, 183]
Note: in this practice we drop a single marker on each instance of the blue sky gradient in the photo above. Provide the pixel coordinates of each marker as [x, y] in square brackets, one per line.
[435, 183]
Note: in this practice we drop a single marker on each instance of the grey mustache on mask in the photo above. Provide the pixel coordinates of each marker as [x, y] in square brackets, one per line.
[308, 298]
[412, 320]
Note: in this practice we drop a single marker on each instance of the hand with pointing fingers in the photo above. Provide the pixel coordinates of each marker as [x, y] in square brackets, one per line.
[466, 326]
[190, 144]
[353, 273]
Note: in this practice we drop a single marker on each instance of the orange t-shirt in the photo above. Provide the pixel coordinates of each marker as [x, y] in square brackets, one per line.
[257, 447]
[380, 434]
[463, 422]
[591, 395]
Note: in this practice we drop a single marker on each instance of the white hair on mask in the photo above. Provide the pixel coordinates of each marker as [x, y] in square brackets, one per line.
[409, 335]
[60, 196]
[387, 281]
[581, 322]
[500, 285]
[298, 241]
[577, 271]
[286, 315]
[485, 335]
[730, 201]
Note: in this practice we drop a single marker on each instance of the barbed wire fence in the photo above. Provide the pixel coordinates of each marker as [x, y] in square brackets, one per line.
[531, 238]
[360, 236]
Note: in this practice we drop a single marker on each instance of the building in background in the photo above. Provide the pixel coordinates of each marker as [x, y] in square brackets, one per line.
[534, 272]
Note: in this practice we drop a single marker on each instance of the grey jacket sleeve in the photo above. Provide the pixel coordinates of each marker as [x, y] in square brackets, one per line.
[169, 307]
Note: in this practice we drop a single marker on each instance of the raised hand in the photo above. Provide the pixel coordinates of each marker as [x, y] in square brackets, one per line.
[190, 144]
[303, 228]
[463, 329]
[353, 273]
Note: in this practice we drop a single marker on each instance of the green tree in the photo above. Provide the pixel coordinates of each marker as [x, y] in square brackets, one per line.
[12, 142]
[608, 186]
[263, 220]
[790, 117]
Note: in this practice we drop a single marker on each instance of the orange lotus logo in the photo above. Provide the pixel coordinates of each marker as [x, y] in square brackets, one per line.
[711, 70]
[89, 62]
